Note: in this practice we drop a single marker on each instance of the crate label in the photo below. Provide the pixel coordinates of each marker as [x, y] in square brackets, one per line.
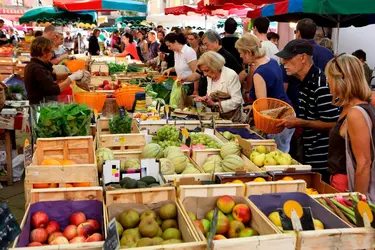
[112, 242]
[111, 171]
[119, 140]
[36, 174]
[9, 228]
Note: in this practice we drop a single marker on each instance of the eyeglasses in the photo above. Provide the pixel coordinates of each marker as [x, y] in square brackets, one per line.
[338, 66]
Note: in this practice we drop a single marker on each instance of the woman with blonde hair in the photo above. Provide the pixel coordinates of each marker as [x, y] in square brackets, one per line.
[223, 87]
[267, 80]
[351, 146]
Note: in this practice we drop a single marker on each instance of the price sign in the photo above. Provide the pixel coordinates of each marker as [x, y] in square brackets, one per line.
[112, 242]
[28, 152]
[9, 228]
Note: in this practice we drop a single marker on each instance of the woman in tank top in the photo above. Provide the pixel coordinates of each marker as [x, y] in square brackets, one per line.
[351, 152]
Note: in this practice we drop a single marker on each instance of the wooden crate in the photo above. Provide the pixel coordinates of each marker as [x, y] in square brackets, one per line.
[275, 187]
[211, 190]
[55, 194]
[126, 199]
[270, 236]
[78, 149]
[119, 142]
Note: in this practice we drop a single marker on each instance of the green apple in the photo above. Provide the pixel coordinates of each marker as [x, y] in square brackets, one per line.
[230, 217]
[270, 161]
[206, 225]
[283, 161]
[287, 156]
[274, 153]
[192, 216]
[248, 232]
[210, 214]
[253, 154]
[261, 149]
[259, 160]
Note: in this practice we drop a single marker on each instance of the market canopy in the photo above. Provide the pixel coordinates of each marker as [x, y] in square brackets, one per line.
[325, 13]
[100, 5]
[53, 15]
[130, 19]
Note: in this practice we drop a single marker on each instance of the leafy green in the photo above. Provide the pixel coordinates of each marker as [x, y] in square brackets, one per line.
[114, 68]
[59, 120]
[133, 68]
[120, 125]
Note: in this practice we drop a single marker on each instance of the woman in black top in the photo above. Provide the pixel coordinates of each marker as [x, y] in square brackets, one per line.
[94, 48]
[350, 152]
[39, 77]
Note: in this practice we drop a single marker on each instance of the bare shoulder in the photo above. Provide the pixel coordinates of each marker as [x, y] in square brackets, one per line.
[355, 118]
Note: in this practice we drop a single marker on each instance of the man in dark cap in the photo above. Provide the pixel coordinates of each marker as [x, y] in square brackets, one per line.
[315, 113]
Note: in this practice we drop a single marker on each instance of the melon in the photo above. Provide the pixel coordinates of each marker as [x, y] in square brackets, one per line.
[170, 149]
[67, 162]
[231, 163]
[152, 150]
[213, 158]
[191, 171]
[166, 166]
[230, 148]
[209, 167]
[179, 161]
[133, 163]
[50, 162]
[189, 165]
[102, 155]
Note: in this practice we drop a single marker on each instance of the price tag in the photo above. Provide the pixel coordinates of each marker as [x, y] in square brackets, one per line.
[121, 140]
[184, 137]
[28, 152]
[9, 228]
[112, 242]
[111, 172]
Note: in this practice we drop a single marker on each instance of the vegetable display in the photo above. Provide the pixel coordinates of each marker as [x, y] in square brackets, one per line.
[115, 68]
[120, 124]
[59, 120]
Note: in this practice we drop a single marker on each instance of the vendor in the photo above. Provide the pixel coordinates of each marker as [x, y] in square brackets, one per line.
[130, 47]
[39, 78]
[223, 87]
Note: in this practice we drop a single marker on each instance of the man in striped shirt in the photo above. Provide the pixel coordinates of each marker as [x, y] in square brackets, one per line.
[315, 115]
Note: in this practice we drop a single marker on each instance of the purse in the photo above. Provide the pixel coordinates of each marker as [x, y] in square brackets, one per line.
[235, 115]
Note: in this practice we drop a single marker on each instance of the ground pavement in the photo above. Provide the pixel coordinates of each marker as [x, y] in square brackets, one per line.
[15, 197]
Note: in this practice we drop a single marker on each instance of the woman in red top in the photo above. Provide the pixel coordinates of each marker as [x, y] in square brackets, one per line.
[130, 47]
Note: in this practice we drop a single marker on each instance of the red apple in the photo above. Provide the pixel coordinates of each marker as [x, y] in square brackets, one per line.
[241, 212]
[235, 228]
[39, 219]
[78, 239]
[119, 82]
[219, 237]
[77, 218]
[39, 235]
[52, 227]
[107, 87]
[225, 203]
[70, 232]
[100, 88]
[95, 224]
[59, 240]
[95, 237]
[35, 244]
[111, 86]
[105, 82]
[199, 225]
[85, 229]
[222, 225]
[54, 235]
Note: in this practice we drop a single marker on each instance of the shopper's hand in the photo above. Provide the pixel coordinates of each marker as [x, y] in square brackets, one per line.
[76, 75]
[200, 98]
[195, 93]
[167, 72]
[209, 102]
[290, 122]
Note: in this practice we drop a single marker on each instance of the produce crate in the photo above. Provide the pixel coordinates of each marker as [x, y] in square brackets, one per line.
[103, 126]
[275, 187]
[270, 236]
[225, 178]
[337, 235]
[242, 130]
[59, 204]
[176, 177]
[211, 190]
[152, 198]
[247, 146]
[78, 149]
[312, 179]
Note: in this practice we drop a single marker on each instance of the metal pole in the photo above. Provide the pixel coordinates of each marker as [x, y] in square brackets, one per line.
[338, 35]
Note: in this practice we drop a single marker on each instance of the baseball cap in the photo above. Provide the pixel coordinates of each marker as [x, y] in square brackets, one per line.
[296, 47]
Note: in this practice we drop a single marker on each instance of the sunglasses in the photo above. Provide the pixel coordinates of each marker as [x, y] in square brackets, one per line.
[338, 65]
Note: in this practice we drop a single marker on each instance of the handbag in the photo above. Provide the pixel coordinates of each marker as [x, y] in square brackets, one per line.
[235, 115]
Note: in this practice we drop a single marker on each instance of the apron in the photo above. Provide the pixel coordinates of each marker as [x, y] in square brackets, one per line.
[350, 161]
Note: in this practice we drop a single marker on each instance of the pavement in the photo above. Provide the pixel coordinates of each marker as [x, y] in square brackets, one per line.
[15, 197]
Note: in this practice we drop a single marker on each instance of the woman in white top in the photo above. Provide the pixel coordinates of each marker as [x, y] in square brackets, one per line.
[185, 58]
[221, 81]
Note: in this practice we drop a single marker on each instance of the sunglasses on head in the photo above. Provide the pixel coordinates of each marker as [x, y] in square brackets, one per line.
[338, 65]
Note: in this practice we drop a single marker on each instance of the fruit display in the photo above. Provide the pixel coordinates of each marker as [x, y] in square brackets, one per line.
[175, 162]
[228, 135]
[48, 232]
[147, 116]
[144, 182]
[167, 136]
[311, 191]
[107, 85]
[205, 140]
[233, 221]
[344, 206]
[275, 218]
[262, 157]
[149, 227]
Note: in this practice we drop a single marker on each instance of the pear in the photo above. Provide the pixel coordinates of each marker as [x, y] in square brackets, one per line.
[129, 219]
[169, 223]
[270, 161]
[171, 233]
[148, 227]
[145, 242]
[129, 240]
[157, 241]
[168, 211]
[120, 229]
[253, 154]
[259, 160]
[261, 149]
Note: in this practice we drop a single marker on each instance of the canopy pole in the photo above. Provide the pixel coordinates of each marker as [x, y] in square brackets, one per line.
[338, 35]
[205, 23]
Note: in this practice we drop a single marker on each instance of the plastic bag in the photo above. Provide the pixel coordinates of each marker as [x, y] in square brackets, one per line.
[177, 96]
[18, 167]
